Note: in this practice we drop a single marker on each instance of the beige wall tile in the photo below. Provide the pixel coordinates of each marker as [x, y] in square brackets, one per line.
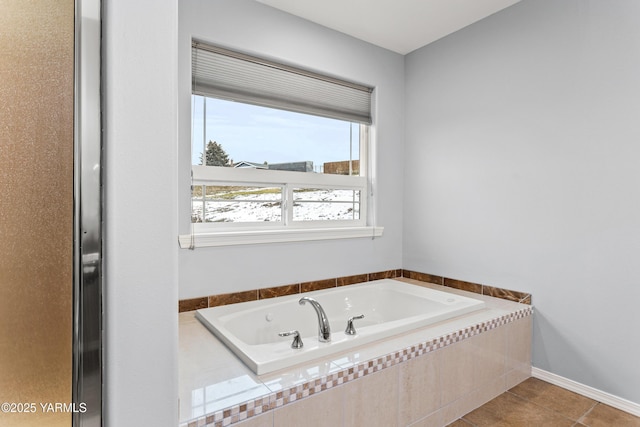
[452, 412]
[472, 400]
[322, 409]
[433, 420]
[515, 377]
[457, 369]
[472, 364]
[419, 388]
[489, 356]
[264, 420]
[483, 394]
[366, 405]
[519, 345]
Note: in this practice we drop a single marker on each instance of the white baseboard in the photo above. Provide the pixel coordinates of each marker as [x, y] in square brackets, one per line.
[590, 392]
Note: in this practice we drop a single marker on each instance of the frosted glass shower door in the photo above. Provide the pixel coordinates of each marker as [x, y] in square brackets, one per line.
[36, 211]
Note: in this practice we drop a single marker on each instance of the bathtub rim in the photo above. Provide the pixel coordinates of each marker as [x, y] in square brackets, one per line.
[262, 364]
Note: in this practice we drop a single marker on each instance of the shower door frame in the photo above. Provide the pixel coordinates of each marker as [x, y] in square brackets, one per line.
[87, 381]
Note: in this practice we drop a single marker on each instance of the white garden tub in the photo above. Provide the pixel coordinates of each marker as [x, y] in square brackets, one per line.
[390, 307]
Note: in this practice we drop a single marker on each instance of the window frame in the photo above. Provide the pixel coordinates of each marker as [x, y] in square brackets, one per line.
[204, 234]
[227, 234]
[288, 180]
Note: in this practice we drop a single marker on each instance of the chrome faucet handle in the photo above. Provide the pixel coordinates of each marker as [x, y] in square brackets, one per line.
[297, 341]
[350, 329]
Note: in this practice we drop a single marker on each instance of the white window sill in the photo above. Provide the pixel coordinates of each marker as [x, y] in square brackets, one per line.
[228, 238]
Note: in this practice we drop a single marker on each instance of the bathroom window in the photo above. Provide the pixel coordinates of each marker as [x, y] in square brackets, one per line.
[276, 148]
[254, 165]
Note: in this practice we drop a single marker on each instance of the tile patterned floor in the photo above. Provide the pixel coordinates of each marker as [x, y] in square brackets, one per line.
[536, 403]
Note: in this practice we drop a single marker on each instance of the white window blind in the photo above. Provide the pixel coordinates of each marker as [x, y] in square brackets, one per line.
[230, 75]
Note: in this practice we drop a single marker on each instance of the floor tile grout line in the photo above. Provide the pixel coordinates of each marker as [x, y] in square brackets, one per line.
[577, 420]
[581, 419]
[549, 410]
[518, 396]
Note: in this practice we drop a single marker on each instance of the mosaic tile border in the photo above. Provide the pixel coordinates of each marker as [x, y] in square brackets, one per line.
[281, 398]
[296, 288]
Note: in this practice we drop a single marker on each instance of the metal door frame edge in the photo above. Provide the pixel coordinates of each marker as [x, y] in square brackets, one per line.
[87, 381]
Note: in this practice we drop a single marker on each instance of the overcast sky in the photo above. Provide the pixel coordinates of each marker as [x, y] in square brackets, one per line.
[258, 134]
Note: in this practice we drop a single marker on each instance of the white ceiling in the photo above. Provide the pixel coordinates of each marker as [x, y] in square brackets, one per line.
[398, 25]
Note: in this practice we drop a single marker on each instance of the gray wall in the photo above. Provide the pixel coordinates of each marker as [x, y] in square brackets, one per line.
[251, 27]
[522, 148]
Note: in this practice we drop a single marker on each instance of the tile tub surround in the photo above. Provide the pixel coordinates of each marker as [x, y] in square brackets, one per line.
[257, 294]
[521, 297]
[430, 376]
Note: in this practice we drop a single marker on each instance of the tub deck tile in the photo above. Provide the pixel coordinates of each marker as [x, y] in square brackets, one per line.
[225, 299]
[278, 291]
[317, 285]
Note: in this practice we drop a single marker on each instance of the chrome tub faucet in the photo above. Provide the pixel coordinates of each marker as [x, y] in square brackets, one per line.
[324, 330]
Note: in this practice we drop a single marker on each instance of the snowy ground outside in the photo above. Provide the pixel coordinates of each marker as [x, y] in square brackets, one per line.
[264, 204]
